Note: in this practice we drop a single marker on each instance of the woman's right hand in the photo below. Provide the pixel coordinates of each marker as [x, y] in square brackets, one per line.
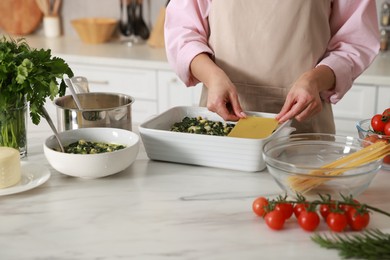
[222, 95]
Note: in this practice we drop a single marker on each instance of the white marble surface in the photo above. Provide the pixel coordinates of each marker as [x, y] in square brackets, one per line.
[156, 210]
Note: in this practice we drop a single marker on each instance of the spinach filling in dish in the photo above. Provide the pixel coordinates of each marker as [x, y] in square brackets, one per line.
[199, 125]
[87, 147]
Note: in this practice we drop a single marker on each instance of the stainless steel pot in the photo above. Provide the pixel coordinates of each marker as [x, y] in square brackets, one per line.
[99, 109]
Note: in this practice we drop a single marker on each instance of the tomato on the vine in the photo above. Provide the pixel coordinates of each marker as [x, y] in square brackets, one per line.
[386, 159]
[371, 139]
[275, 220]
[337, 221]
[386, 113]
[286, 208]
[347, 208]
[325, 209]
[358, 220]
[377, 123]
[259, 205]
[308, 220]
[386, 129]
[298, 208]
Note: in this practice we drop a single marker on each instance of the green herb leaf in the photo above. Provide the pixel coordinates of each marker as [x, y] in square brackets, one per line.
[371, 244]
[29, 74]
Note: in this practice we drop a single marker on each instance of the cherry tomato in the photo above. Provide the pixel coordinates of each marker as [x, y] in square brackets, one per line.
[258, 206]
[337, 221]
[298, 208]
[386, 113]
[275, 220]
[325, 209]
[386, 129]
[286, 208]
[386, 159]
[347, 208]
[381, 140]
[377, 123]
[308, 220]
[358, 220]
[370, 138]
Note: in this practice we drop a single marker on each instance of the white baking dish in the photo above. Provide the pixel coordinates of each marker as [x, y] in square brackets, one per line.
[242, 154]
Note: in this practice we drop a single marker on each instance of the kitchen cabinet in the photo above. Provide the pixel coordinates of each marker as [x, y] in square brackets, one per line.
[138, 83]
[173, 92]
[154, 90]
[361, 101]
[383, 98]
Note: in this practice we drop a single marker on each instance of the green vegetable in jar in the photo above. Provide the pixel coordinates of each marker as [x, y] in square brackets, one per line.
[200, 125]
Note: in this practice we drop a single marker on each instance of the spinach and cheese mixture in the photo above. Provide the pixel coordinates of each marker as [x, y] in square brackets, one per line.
[199, 125]
[87, 147]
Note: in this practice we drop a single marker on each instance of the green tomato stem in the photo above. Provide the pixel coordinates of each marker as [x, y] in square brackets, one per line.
[319, 202]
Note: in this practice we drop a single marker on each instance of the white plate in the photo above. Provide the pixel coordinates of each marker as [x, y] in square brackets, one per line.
[33, 175]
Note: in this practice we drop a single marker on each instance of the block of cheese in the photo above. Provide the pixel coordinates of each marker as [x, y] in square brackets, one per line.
[254, 127]
[10, 169]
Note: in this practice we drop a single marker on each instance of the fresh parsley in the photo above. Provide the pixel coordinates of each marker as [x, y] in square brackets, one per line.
[31, 75]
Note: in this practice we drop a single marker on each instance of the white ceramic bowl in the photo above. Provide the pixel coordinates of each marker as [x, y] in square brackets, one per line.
[243, 154]
[92, 166]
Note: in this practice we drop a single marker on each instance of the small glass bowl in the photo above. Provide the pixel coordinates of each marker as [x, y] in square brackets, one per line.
[365, 132]
[295, 163]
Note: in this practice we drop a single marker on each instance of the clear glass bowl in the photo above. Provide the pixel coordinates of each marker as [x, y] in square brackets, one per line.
[365, 131]
[295, 163]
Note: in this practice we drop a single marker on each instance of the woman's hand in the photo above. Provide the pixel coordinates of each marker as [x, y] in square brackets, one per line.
[303, 100]
[222, 95]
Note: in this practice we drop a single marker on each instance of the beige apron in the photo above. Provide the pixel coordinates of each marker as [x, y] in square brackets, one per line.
[264, 46]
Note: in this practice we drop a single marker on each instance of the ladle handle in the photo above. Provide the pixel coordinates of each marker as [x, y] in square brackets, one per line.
[50, 122]
[73, 92]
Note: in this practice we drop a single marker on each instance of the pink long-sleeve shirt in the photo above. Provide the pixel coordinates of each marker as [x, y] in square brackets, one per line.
[353, 45]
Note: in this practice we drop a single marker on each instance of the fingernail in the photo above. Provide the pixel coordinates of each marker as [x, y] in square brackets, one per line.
[243, 114]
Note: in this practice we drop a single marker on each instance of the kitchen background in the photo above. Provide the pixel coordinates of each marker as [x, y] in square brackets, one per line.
[72, 9]
[144, 73]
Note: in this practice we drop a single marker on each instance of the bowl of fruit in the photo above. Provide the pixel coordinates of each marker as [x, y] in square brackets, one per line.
[376, 129]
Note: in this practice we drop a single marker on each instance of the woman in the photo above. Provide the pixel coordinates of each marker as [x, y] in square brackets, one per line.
[290, 57]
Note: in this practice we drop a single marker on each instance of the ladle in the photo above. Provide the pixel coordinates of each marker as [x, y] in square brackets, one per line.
[125, 26]
[80, 84]
[140, 26]
[50, 122]
[69, 83]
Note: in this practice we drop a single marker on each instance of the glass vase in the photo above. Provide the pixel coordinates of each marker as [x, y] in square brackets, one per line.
[13, 129]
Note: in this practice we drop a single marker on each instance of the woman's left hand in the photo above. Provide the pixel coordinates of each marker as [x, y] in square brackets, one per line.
[303, 100]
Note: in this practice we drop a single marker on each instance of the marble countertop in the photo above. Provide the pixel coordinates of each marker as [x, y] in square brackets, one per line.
[117, 53]
[156, 210]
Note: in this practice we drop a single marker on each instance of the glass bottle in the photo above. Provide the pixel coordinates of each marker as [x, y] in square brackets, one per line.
[384, 40]
[385, 14]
